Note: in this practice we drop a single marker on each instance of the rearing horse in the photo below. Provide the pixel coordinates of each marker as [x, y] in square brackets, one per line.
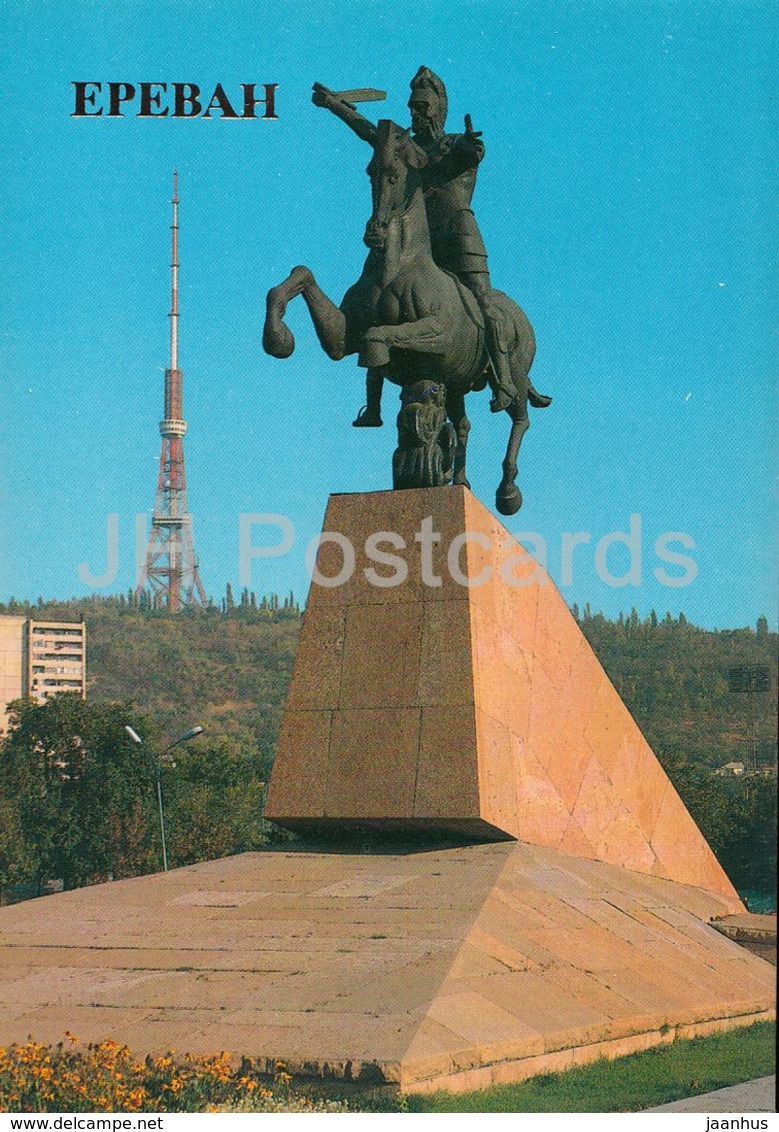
[406, 318]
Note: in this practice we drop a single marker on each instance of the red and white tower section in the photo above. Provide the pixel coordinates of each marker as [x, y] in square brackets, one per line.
[171, 569]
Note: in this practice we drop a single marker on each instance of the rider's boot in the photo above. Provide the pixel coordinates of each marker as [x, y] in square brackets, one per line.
[501, 381]
[369, 415]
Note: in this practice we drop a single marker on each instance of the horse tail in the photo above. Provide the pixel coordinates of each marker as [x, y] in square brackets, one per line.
[536, 399]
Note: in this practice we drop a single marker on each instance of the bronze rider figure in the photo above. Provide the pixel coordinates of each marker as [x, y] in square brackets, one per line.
[448, 182]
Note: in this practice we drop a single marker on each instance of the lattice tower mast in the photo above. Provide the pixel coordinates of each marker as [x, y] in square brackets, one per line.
[171, 568]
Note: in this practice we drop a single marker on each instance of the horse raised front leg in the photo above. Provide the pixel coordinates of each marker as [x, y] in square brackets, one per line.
[455, 406]
[328, 319]
[329, 322]
[508, 498]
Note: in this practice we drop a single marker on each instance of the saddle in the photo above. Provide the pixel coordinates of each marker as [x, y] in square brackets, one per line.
[474, 312]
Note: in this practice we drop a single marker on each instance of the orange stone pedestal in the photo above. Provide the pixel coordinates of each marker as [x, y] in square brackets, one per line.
[466, 698]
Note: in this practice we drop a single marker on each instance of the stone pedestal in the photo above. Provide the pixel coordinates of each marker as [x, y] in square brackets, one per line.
[478, 707]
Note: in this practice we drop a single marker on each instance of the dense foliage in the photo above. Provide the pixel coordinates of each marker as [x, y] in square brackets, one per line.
[76, 791]
[77, 797]
[738, 819]
[80, 796]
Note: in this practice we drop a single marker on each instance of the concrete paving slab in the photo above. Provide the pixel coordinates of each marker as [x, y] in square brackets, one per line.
[750, 1096]
[752, 930]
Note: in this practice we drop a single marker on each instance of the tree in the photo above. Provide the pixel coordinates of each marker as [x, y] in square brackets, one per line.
[18, 860]
[213, 803]
[737, 816]
[84, 799]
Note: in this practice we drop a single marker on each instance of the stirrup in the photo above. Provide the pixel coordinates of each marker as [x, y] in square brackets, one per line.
[503, 399]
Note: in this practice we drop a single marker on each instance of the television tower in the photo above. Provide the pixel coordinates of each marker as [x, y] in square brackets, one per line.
[171, 568]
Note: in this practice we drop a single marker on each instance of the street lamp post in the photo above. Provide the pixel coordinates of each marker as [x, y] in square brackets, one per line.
[190, 734]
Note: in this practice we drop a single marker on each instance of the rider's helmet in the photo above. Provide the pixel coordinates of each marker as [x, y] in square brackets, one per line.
[428, 90]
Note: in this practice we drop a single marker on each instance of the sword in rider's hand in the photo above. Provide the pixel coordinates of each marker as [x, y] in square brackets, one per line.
[359, 94]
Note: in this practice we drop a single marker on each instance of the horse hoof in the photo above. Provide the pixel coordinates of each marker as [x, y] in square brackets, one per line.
[278, 341]
[508, 501]
[501, 401]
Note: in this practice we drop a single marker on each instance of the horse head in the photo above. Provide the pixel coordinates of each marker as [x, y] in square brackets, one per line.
[395, 160]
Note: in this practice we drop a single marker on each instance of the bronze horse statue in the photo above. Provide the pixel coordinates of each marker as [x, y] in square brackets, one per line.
[415, 324]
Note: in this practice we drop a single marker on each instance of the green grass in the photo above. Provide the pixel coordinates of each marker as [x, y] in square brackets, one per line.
[642, 1080]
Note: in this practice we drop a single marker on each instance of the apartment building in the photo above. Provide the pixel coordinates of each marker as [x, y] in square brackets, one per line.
[13, 661]
[40, 659]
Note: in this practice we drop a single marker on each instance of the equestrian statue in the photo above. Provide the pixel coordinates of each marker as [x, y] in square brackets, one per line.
[423, 313]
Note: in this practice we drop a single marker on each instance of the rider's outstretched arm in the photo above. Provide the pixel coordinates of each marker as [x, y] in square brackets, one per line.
[468, 147]
[345, 111]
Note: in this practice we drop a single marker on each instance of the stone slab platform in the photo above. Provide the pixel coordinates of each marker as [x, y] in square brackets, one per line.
[450, 968]
[753, 930]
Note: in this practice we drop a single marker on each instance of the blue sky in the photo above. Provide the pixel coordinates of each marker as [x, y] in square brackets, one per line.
[626, 201]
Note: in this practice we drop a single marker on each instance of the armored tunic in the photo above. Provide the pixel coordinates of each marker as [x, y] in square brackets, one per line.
[448, 181]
